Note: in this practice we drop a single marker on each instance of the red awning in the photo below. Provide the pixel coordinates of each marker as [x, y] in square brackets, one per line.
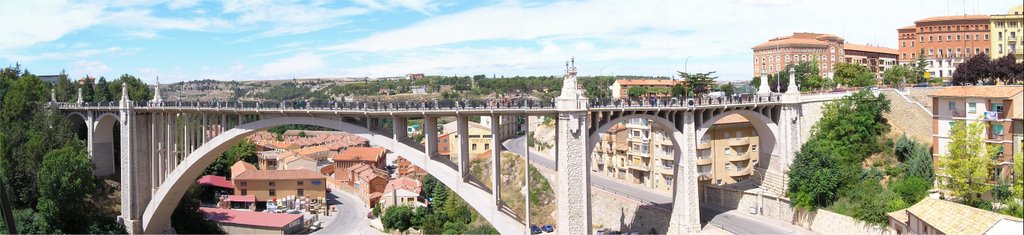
[235, 198]
[215, 181]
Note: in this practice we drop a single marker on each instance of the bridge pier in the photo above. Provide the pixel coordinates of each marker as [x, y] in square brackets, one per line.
[685, 216]
[463, 132]
[572, 160]
[430, 128]
[496, 161]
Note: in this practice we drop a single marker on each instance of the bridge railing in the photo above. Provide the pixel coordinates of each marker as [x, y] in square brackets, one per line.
[685, 102]
[465, 104]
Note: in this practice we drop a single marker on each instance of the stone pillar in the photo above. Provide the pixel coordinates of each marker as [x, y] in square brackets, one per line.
[399, 128]
[789, 124]
[90, 126]
[573, 168]
[685, 205]
[495, 161]
[130, 206]
[430, 135]
[764, 89]
[463, 132]
[526, 170]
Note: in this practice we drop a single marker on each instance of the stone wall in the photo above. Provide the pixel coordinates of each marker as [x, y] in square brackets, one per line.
[619, 213]
[827, 222]
[819, 221]
[773, 206]
[906, 117]
[809, 115]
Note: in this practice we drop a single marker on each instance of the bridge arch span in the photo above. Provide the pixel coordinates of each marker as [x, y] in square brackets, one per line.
[104, 145]
[157, 214]
[767, 130]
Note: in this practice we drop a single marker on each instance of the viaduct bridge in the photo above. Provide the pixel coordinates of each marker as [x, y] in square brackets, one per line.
[165, 146]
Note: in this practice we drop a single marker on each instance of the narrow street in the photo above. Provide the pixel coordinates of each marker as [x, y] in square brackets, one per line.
[350, 217]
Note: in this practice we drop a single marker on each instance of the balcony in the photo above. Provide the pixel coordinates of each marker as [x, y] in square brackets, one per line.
[704, 144]
[739, 141]
[993, 116]
[957, 113]
[741, 172]
[665, 170]
[996, 137]
[704, 159]
[704, 175]
[639, 167]
[739, 157]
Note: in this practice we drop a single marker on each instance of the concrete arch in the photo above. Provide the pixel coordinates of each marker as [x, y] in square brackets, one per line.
[157, 213]
[664, 123]
[104, 146]
[767, 130]
[79, 124]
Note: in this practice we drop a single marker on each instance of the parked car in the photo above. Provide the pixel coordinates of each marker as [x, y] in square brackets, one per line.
[535, 230]
[548, 228]
[602, 231]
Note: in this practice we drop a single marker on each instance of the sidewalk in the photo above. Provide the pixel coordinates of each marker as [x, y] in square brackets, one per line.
[794, 229]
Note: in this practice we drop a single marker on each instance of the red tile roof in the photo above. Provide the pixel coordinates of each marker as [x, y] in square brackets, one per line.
[647, 82]
[979, 91]
[279, 175]
[403, 183]
[804, 39]
[238, 198]
[216, 181]
[868, 48]
[251, 218]
[732, 119]
[361, 154]
[241, 167]
[952, 18]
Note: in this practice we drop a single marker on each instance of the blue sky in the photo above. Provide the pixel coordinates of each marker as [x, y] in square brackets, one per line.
[180, 40]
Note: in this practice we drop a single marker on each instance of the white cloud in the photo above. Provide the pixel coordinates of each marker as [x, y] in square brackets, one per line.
[584, 46]
[301, 64]
[423, 6]
[288, 18]
[32, 22]
[88, 67]
[72, 55]
[179, 4]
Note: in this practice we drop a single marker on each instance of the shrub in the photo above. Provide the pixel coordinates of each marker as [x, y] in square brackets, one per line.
[911, 189]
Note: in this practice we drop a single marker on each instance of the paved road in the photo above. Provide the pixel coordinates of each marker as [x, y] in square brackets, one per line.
[732, 221]
[350, 218]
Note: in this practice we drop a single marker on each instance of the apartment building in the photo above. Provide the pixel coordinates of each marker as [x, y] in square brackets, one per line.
[479, 139]
[771, 57]
[877, 59]
[1008, 33]
[638, 152]
[935, 216]
[999, 107]
[267, 185]
[656, 87]
[373, 156]
[947, 41]
[508, 126]
[728, 152]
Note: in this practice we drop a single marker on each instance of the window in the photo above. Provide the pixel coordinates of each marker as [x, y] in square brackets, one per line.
[300, 183]
[986, 37]
[931, 38]
[952, 105]
[474, 146]
[272, 192]
[949, 38]
[301, 192]
[242, 183]
[753, 148]
[972, 107]
[244, 192]
[739, 134]
[271, 183]
[487, 146]
[726, 135]
[958, 37]
[445, 148]
[726, 150]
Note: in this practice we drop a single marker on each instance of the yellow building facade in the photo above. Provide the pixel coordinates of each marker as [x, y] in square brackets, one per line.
[1007, 32]
[267, 185]
[479, 139]
[728, 152]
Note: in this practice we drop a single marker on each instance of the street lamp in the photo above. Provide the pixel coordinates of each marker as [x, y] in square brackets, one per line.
[686, 64]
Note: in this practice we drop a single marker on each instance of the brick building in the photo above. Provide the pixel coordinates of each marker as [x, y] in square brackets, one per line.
[772, 56]
[947, 41]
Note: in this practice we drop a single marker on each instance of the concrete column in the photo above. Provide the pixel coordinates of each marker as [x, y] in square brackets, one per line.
[495, 160]
[526, 146]
[154, 143]
[399, 127]
[685, 216]
[187, 137]
[223, 123]
[90, 127]
[202, 136]
[463, 132]
[130, 215]
[430, 134]
[571, 159]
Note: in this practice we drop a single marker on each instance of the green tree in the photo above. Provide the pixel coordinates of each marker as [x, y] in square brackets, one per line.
[244, 150]
[855, 121]
[397, 217]
[137, 90]
[88, 91]
[65, 89]
[912, 189]
[920, 68]
[65, 177]
[698, 83]
[967, 162]
[813, 178]
[679, 90]
[636, 91]
[854, 75]
[102, 93]
[897, 75]
[728, 88]
[187, 219]
[920, 164]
